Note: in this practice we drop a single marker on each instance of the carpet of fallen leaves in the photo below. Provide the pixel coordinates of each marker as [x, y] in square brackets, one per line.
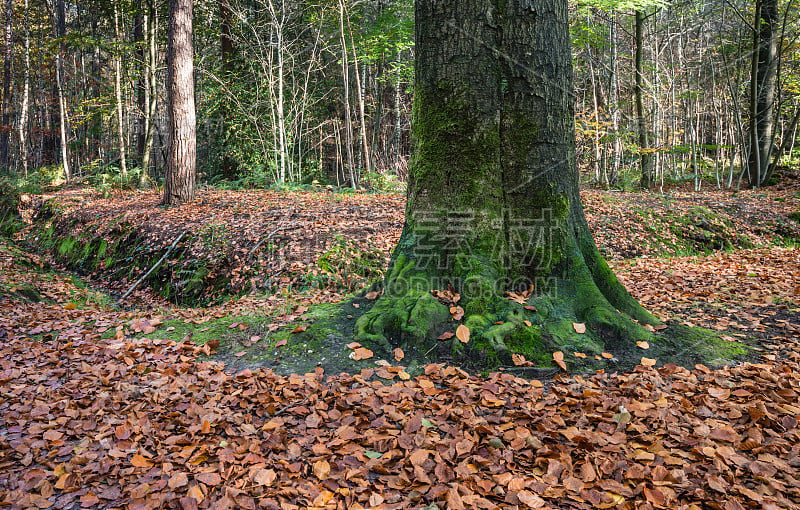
[145, 423]
[142, 423]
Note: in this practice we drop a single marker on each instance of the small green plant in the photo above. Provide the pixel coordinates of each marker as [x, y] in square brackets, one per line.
[216, 238]
[350, 266]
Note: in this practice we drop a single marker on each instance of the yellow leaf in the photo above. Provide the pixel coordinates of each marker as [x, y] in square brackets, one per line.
[462, 333]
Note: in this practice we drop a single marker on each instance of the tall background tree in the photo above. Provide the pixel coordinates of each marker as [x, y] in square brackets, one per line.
[301, 91]
[180, 174]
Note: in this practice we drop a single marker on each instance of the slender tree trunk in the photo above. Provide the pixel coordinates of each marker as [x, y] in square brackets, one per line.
[151, 90]
[397, 137]
[647, 180]
[7, 114]
[229, 163]
[281, 107]
[26, 85]
[179, 181]
[123, 157]
[764, 77]
[59, 18]
[348, 122]
[141, 85]
[616, 156]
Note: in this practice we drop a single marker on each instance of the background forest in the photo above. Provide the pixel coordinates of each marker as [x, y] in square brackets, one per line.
[292, 92]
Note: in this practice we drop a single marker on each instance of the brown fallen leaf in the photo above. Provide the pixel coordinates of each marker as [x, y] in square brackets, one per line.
[398, 354]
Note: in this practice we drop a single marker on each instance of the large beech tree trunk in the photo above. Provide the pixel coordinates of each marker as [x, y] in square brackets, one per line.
[493, 202]
[179, 180]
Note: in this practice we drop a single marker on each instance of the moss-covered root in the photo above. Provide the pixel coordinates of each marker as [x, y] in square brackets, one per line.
[413, 319]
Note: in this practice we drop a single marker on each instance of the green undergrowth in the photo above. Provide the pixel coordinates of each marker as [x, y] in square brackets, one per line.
[701, 231]
[328, 329]
[42, 281]
[317, 338]
[198, 271]
[123, 252]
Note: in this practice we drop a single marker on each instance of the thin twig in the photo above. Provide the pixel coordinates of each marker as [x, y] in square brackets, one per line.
[140, 280]
[286, 408]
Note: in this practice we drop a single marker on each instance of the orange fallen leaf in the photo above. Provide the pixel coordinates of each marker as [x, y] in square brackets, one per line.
[558, 357]
[642, 345]
[579, 355]
[579, 327]
[139, 461]
[361, 353]
[196, 493]
[300, 328]
[447, 335]
[462, 333]
[322, 469]
[648, 362]
[70, 306]
[399, 354]
[606, 355]
[520, 361]
[281, 343]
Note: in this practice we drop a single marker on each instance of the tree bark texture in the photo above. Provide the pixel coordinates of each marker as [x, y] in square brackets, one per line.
[179, 180]
[763, 82]
[646, 157]
[5, 133]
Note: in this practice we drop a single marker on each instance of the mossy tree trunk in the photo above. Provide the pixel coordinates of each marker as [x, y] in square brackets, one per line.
[493, 199]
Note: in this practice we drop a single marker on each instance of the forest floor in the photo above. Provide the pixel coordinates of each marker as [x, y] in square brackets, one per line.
[109, 406]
